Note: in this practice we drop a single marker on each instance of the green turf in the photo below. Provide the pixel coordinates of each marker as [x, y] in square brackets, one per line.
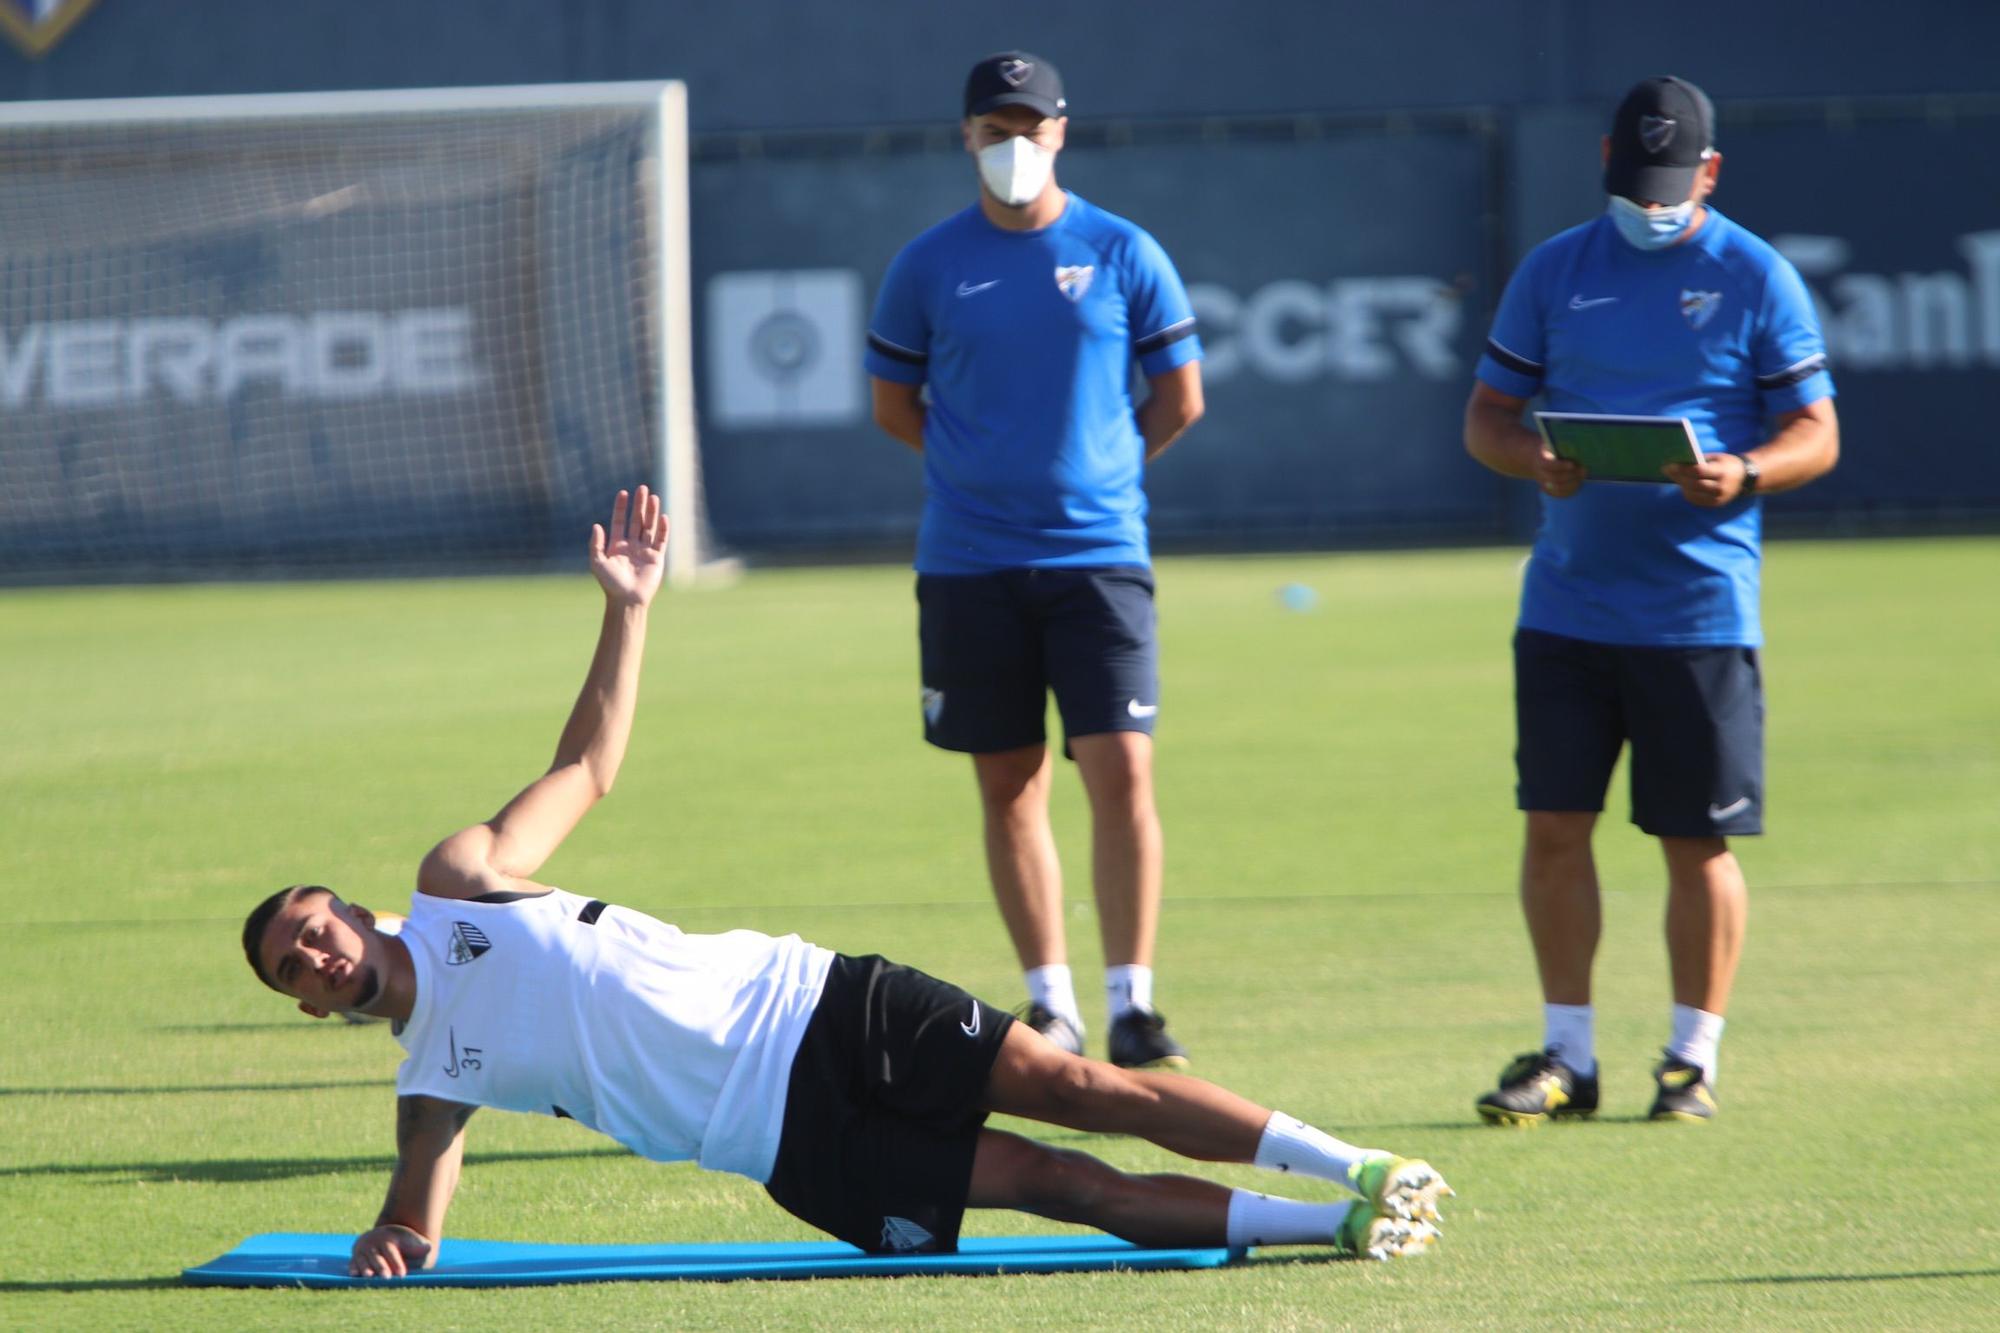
[1340, 938]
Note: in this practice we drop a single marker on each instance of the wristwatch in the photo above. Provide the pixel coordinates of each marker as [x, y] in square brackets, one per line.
[1750, 474]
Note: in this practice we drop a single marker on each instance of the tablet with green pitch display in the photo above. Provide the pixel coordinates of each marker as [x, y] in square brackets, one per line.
[1614, 448]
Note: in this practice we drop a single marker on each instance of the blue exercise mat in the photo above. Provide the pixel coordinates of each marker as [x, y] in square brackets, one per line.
[278, 1259]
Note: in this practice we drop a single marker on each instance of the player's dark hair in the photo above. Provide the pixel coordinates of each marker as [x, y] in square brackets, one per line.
[259, 921]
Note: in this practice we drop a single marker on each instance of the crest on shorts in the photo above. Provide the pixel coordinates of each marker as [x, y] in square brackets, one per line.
[37, 25]
[1073, 280]
[933, 705]
[1016, 72]
[901, 1235]
[467, 943]
[1699, 307]
[1656, 132]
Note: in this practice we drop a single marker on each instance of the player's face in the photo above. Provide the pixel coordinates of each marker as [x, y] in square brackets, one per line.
[1008, 122]
[325, 954]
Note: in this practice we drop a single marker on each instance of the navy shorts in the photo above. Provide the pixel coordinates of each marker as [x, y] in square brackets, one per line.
[1694, 718]
[884, 1107]
[994, 645]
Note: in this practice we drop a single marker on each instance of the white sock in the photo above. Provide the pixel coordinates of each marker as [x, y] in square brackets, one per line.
[1051, 987]
[1570, 1031]
[1127, 986]
[1697, 1034]
[1290, 1144]
[1262, 1219]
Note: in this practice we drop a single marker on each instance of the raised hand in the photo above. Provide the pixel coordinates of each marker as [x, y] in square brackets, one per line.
[629, 561]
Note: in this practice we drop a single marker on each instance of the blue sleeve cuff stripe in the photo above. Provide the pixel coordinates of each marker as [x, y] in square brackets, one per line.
[1173, 333]
[1520, 365]
[1794, 373]
[896, 353]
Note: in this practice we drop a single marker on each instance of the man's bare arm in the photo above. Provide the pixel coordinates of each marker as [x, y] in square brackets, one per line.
[899, 410]
[1804, 447]
[1495, 436]
[1173, 404]
[430, 1146]
[500, 854]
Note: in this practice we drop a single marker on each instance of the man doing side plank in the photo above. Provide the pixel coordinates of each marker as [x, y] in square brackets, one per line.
[854, 1089]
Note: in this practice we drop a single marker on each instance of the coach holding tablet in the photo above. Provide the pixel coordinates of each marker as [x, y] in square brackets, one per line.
[1639, 617]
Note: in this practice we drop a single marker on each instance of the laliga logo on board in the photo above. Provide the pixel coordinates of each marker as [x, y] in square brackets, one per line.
[37, 25]
[1944, 320]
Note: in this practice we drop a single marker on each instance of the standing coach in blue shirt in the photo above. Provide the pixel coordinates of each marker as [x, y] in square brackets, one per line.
[1001, 349]
[1639, 607]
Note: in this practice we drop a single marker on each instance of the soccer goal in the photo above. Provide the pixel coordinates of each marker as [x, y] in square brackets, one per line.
[425, 329]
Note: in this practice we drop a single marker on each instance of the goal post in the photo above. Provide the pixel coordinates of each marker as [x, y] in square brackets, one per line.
[297, 333]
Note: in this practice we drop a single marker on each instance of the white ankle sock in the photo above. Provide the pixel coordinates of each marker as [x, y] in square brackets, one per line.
[1290, 1144]
[1697, 1034]
[1570, 1030]
[1127, 986]
[1263, 1219]
[1051, 987]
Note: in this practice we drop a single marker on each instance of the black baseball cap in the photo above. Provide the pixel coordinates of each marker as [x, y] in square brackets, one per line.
[1014, 78]
[1662, 133]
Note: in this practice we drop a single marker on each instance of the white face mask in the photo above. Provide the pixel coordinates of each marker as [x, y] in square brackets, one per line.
[1651, 228]
[1016, 169]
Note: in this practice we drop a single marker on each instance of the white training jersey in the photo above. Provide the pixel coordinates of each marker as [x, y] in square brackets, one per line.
[678, 1046]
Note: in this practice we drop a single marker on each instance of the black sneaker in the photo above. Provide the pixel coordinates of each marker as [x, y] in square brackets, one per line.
[1537, 1087]
[1065, 1035]
[1684, 1093]
[1139, 1040]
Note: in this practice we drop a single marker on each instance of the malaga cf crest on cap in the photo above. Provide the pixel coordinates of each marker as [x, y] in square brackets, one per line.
[37, 25]
[1016, 72]
[1656, 132]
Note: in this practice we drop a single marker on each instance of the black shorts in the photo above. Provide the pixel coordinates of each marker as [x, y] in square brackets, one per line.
[884, 1108]
[994, 645]
[1694, 717]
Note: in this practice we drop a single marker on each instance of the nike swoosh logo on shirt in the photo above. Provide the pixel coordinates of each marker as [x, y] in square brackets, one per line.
[1576, 301]
[1725, 811]
[970, 289]
[972, 1029]
[1137, 709]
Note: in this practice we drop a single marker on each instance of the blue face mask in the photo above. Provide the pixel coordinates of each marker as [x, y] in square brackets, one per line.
[1650, 228]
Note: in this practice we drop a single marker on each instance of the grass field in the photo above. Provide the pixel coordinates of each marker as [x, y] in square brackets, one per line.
[1340, 939]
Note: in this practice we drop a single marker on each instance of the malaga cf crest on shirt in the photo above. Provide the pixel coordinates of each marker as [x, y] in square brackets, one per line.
[467, 943]
[1073, 280]
[1699, 307]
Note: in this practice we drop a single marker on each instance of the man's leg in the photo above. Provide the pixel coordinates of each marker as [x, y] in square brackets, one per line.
[1160, 1211]
[1126, 847]
[1026, 874]
[1021, 850]
[1102, 660]
[1707, 910]
[1197, 1119]
[1559, 898]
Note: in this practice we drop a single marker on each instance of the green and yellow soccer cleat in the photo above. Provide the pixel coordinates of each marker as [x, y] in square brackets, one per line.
[1684, 1093]
[1536, 1087]
[1368, 1234]
[1404, 1188]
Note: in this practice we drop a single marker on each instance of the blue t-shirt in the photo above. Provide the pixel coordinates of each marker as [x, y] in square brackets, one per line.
[1032, 456]
[1718, 329]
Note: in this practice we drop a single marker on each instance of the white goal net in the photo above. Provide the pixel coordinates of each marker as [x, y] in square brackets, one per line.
[273, 335]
